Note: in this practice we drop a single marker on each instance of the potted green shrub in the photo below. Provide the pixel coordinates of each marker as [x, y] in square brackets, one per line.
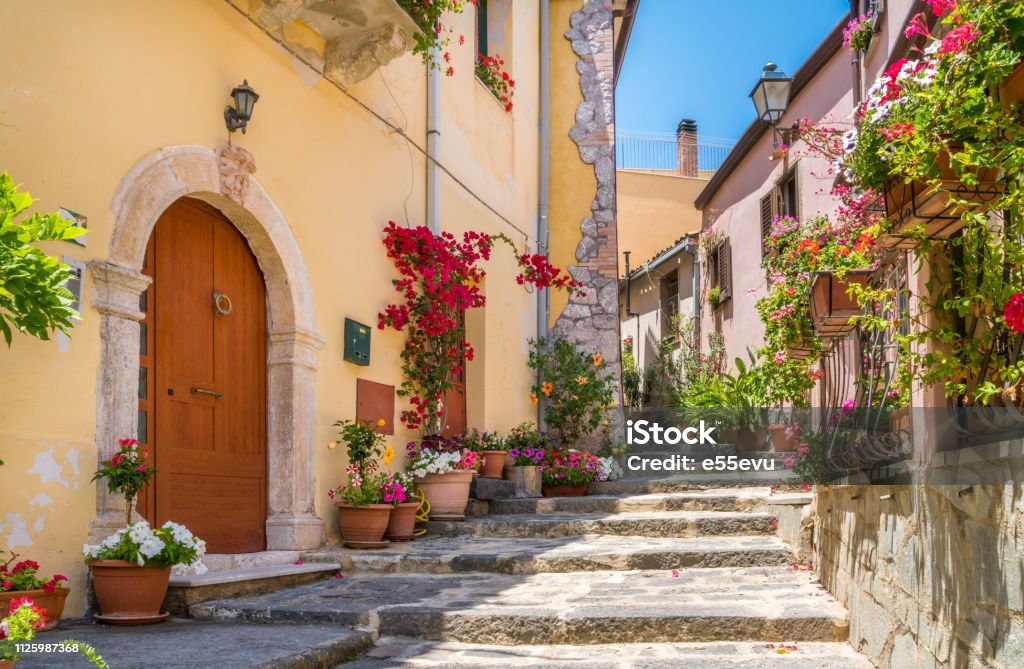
[363, 513]
[21, 619]
[131, 568]
[21, 579]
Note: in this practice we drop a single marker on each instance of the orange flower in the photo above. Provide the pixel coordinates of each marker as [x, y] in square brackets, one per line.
[598, 360]
[582, 380]
[381, 423]
[533, 397]
[546, 388]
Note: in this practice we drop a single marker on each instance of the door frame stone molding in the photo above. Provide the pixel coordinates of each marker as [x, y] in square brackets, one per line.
[223, 179]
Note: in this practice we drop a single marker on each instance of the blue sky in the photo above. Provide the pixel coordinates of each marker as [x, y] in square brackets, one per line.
[698, 59]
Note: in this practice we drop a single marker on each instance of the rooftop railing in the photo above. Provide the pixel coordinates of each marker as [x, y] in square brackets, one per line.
[667, 154]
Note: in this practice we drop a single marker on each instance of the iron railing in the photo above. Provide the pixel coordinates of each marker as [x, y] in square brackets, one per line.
[638, 152]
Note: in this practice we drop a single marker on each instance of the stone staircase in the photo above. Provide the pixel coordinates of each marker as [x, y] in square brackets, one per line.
[648, 572]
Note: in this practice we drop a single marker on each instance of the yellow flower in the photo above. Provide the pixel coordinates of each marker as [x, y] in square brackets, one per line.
[533, 397]
[381, 423]
[389, 454]
[582, 380]
[546, 388]
[598, 360]
[331, 445]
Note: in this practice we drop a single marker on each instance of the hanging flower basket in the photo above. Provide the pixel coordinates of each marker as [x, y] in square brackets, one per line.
[831, 305]
[910, 205]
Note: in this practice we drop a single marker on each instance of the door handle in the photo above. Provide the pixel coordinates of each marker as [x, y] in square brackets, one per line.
[203, 391]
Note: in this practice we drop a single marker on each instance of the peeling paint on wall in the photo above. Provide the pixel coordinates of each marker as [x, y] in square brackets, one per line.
[47, 469]
[16, 532]
[40, 500]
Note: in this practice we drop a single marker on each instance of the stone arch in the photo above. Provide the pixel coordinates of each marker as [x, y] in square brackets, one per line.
[222, 178]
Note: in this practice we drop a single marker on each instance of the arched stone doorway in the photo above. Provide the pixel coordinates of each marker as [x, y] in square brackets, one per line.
[224, 180]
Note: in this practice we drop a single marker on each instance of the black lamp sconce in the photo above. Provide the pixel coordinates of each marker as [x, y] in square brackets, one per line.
[238, 117]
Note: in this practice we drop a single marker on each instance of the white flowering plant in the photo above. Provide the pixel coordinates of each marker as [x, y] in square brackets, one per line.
[437, 455]
[171, 545]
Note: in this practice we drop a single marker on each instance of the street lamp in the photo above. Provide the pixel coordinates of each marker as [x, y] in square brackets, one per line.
[245, 99]
[771, 97]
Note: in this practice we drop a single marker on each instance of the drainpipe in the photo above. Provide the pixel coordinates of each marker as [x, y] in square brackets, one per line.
[434, 142]
[543, 168]
[629, 287]
[692, 249]
[855, 58]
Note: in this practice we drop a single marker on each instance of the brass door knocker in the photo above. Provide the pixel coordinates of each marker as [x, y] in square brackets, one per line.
[221, 303]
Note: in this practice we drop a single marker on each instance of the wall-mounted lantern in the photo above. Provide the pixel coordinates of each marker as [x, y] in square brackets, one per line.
[771, 97]
[245, 98]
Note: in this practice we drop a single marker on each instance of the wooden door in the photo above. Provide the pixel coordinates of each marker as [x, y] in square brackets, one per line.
[207, 322]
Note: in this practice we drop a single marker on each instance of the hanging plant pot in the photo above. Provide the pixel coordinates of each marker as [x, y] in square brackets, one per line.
[129, 594]
[526, 479]
[798, 350]
[447, 494]
[565, 490]
[1012, 88]
[831, 305]
[910, 205]
[494, 461]
[363, 526]
[402, 521]
[53, 602]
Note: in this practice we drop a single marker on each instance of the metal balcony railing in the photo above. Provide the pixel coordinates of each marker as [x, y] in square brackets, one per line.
[666, 153]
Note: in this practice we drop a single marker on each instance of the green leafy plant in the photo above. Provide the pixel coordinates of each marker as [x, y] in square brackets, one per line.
[365, 483]
[435, 34]
[20, 624]
[577, 387]
[33, 299]
[127, 473]
[714, 296]
[491, 73]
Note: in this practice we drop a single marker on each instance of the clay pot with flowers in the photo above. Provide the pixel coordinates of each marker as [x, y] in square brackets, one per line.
[363, 513]
[568, 473]
[20, 619]
[20, 579]
[398, 492]
[131, 568]
[491, 449]
[526, 449]
[443, 469]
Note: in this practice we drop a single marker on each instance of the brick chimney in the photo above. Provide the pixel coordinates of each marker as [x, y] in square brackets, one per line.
[686, 147]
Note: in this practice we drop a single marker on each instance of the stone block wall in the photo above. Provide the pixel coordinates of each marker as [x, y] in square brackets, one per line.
[931, 574]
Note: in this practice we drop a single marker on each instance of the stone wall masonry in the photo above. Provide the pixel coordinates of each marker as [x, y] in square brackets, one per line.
[592, 321]
[932, 576]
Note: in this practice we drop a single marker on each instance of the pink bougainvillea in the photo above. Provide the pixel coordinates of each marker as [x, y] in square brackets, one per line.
[1013, 312]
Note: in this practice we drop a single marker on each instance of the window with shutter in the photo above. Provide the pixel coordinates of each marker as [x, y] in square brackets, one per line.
[767, 214]
[725, 269]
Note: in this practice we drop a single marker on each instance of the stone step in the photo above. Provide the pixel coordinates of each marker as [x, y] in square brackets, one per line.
[638, 524]
[396, 653]
[186, 590]
[683, 482]
[770, 604]
[534, 556]
[180, 643]
[719, 499]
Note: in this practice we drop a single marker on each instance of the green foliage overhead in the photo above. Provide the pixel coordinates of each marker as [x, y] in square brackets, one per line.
[33, 299]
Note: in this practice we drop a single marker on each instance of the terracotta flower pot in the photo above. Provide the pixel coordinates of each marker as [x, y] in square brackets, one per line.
[749, 441]
[127, 593]
[526, 479]
[565, 490]
[1012, 88]
[780, 442]
[402, 521]
[363, 523]
[7, 664]
[447, 494]
[53, 602]
[493, 463]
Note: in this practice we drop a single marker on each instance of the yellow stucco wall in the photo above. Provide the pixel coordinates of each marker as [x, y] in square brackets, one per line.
[572, 182]
[654, 211]
[88, 92]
